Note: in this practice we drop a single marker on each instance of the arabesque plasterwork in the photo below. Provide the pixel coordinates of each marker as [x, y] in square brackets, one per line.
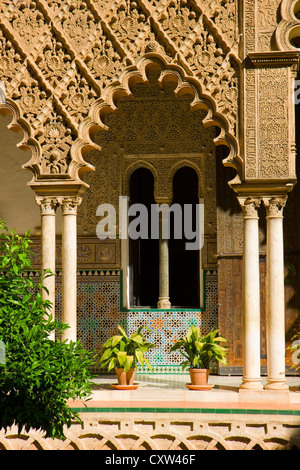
[63, 62]
[66, 64]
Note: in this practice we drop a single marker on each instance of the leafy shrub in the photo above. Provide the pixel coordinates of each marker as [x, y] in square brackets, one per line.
[39, 375]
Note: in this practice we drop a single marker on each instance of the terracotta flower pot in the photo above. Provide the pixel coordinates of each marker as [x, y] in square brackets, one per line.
[199, 376]
[125, 378]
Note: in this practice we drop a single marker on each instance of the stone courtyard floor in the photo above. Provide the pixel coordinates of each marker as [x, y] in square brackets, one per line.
[167, 392]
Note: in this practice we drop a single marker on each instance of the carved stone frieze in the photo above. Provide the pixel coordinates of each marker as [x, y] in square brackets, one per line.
[68, 64]
[60, 62]
[92, 253]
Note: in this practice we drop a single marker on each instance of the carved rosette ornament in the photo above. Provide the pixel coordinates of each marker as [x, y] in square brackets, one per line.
[56, 142]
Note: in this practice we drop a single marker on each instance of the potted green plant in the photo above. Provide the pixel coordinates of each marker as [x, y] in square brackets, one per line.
[200, 353]
[124, 353]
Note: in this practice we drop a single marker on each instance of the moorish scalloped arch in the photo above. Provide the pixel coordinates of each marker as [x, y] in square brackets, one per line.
[18, 125]
[135, 166]
[123, 87]
[189, 164]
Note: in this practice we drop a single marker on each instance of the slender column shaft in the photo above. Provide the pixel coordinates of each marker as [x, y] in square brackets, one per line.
[69, 266]
[164, 298]
[48, 247]
[251, 297]
[275, 302]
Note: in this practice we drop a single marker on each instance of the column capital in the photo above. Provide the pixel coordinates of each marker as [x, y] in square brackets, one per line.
[274, 205]
[69, 204]
[250, 205]
[48, 204]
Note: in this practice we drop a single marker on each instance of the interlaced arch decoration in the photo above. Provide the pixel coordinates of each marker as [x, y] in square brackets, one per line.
[123, 87]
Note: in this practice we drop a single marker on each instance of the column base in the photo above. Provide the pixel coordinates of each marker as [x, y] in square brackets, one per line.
[276, 384]
[163, 303]
[251, 384]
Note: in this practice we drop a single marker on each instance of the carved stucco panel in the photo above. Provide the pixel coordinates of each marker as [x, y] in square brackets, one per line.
[260, 23]
[267, 14]
[273, 130]
[250, 117]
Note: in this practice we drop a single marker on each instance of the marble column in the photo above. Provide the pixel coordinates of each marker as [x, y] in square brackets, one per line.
[275, 301]
[164, 296]
[48, 207]
[251, 296]
[69, 207]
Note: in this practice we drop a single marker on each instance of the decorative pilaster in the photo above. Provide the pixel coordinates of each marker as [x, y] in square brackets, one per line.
[69, 207]
[275, 303]
[48, 207]
[251, 295]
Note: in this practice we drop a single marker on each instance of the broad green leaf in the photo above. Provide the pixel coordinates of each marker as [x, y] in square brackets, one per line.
[122, 331]
[139, 356]
[128, 363]
[122, 356]
[115, 340]
[148, 364]
[199, 345]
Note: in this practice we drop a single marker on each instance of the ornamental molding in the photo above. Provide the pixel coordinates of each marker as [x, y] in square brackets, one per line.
[275, 58]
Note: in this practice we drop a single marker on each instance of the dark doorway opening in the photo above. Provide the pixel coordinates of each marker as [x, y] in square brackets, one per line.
[143, 253]
[184, 264]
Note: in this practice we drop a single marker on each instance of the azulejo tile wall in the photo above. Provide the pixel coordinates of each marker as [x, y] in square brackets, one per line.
[99, 313]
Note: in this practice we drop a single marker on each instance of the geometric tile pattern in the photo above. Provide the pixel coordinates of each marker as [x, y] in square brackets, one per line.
[99, 312]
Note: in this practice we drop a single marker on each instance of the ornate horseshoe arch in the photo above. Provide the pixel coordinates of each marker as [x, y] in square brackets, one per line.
[123, 87]
[18, 124]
